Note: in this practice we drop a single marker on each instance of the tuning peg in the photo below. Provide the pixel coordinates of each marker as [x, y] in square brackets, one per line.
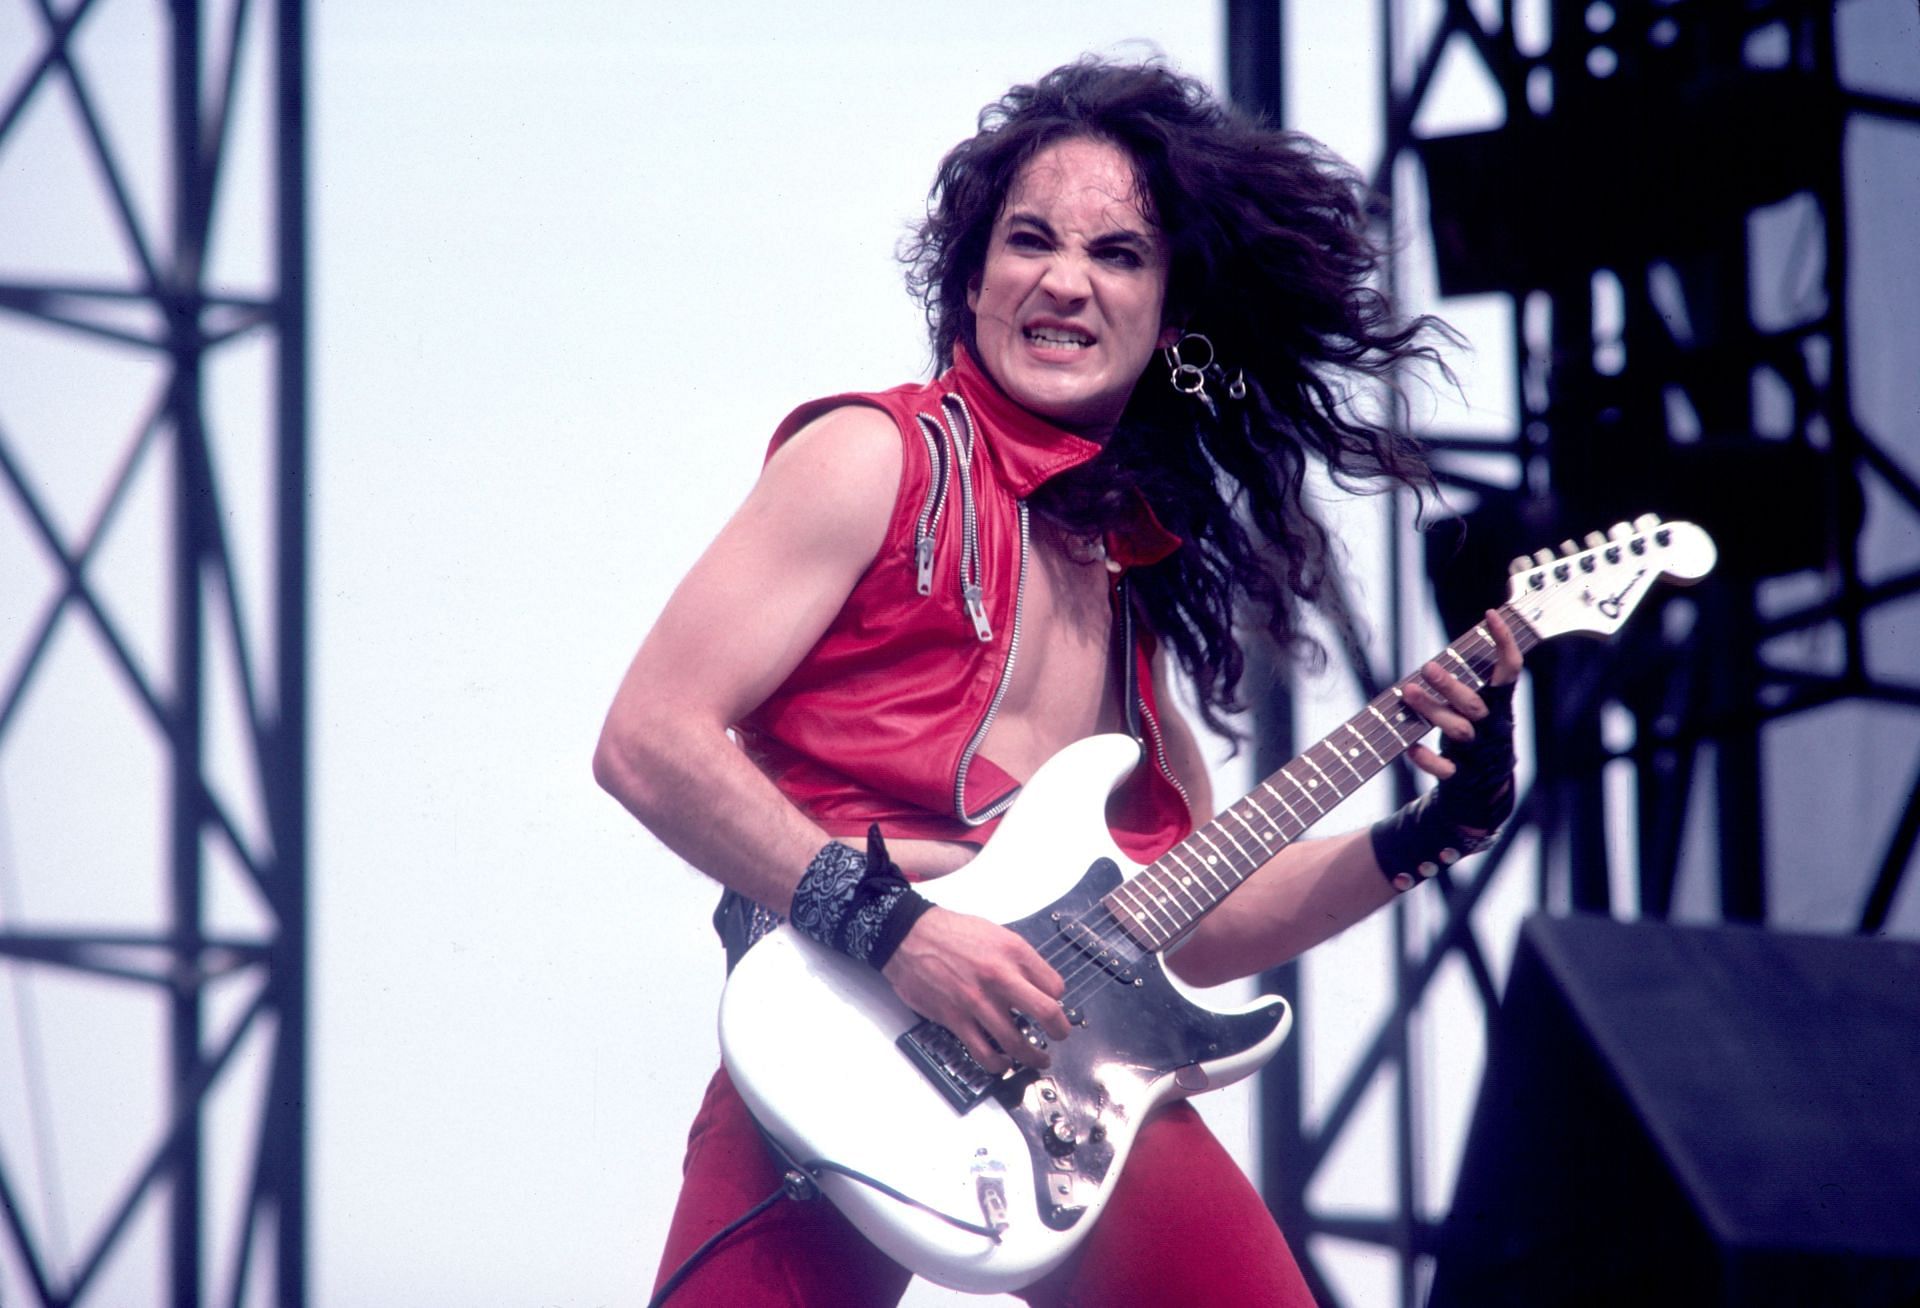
[1619, 531]
[1569, 548]
[1519, 566]
[1595, 540]
[1543, 557]
[1646, 522]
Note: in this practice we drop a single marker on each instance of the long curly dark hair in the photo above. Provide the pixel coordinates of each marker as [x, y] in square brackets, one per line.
[1270, 258]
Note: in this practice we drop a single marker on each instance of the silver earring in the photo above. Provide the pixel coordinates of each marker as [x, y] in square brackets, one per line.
[1188, 372]
[1187, 376]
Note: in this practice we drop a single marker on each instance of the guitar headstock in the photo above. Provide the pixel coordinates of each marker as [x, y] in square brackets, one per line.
[1595, 589]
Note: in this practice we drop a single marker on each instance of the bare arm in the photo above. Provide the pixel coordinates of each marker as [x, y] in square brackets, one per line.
[1313, 890]
[735, 627]
[757, 600]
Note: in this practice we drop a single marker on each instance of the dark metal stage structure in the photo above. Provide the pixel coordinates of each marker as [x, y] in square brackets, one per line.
[153, 753]
[1698, 216]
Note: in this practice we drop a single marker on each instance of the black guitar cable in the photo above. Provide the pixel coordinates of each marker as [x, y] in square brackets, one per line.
[794, 1185]
[971, 1228]
[799, 1183]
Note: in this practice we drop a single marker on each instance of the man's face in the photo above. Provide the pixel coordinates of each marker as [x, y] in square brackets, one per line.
[1068, 308]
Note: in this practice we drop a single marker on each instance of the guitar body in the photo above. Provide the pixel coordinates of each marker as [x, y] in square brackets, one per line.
[812, 1041]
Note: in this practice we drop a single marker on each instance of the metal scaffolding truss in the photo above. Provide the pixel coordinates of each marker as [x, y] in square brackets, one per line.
[1669, 199]
[153, 536]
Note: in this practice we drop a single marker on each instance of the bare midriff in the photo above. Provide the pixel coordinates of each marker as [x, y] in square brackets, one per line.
[923, 860]
[1060, 690]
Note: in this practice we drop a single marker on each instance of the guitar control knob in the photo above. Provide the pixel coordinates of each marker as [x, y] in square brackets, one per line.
[1061, 1137]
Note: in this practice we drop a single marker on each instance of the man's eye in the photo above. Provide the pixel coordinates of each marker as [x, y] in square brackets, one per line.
[1121, 257]
[1026, 241]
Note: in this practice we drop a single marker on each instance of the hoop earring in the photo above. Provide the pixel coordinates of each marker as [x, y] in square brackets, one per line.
[1190, 378]
[1186, 376]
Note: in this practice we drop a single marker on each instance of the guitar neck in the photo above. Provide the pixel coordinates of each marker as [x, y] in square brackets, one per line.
[1166, 899]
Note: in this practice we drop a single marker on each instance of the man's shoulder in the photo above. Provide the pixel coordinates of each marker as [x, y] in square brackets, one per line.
[846, 463]
[898, 405]
[851, 431]
[868, 444]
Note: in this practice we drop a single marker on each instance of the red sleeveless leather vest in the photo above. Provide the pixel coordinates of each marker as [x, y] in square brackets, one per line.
[883, 719]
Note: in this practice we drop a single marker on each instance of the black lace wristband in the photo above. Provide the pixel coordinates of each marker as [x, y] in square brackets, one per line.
[857, 904]
[1413, 843]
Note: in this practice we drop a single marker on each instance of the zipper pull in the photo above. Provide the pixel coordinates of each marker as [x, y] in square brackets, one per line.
[923, 563]
[977, 610]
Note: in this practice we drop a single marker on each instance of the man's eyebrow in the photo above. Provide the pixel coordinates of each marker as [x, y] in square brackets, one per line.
[1118, 236]
[1021, 216]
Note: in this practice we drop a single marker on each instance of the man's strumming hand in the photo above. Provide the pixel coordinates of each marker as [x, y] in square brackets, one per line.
[972, 976]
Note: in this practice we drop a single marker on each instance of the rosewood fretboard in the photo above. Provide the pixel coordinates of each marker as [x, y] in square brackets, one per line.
[1160, 903]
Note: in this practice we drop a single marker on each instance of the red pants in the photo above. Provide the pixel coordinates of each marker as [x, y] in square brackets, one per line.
[1183, 1227]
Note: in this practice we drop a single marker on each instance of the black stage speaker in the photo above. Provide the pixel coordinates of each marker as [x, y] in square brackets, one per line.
[1693, 1115]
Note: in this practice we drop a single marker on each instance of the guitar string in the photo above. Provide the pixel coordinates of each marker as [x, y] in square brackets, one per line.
[1171, 873]
[1176, 870]
[1088, 974]
[1085, 974]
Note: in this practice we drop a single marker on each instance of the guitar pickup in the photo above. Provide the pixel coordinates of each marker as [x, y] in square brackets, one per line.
[1089, 942]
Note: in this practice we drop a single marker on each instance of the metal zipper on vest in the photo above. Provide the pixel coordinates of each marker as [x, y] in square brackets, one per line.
[961, 420]
[1136, 696]
[928, 524]
[979, 737]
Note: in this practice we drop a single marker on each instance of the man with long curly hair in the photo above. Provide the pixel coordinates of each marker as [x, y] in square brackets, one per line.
[1147, 311]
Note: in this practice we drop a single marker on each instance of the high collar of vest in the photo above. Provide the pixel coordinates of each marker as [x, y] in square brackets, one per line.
[1027, 450]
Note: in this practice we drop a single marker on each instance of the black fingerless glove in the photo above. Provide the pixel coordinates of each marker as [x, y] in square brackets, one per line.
[857, 904]
[1462, 814]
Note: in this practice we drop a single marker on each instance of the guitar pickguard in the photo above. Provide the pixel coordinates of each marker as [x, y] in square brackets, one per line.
[1132, 1030]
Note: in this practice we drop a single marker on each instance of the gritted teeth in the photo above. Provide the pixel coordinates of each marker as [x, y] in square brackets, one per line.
[1059, 337]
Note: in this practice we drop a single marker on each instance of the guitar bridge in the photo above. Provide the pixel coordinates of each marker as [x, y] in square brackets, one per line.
[940, 1056]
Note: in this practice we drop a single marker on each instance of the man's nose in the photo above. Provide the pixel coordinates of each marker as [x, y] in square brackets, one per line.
[1066, 278]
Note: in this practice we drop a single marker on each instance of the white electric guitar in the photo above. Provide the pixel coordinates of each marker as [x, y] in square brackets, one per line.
[986, 1183]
